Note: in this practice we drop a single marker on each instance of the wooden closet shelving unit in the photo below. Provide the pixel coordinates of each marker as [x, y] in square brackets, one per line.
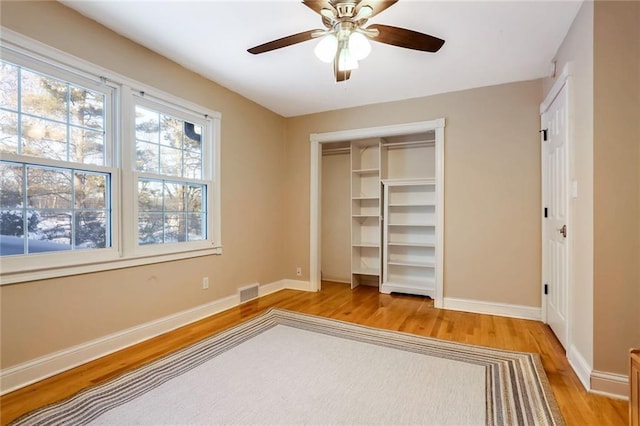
[365, 212]
[409, 236]
[395, 237]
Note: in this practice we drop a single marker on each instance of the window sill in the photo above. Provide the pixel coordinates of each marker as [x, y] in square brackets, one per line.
[47, 273]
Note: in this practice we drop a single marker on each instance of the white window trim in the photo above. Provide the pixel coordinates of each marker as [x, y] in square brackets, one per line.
[124, 252]
[131, 215]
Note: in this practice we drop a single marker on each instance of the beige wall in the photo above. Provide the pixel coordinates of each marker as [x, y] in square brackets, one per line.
[577, 48]
[45, 316]
[616, 183]
[492, 180]
[603, 45]
[336, 218]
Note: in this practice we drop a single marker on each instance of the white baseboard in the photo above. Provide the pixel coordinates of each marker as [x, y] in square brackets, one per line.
[611, 385]
[492, 308]
[296, 285]
[265, 289]
[32, 371]
[580, 366]
[282, 285]
[336, 279]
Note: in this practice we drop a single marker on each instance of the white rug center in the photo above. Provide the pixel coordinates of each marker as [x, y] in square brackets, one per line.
[292, 376]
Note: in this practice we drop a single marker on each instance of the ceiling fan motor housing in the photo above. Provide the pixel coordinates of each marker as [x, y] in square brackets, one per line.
[345, 10]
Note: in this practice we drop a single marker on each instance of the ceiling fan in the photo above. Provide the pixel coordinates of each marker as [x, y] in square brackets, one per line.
[344, 40]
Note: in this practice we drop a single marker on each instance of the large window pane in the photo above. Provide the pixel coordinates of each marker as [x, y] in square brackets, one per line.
[11, 246]
[195, 199]
[86, 146]
[87, 108]
[193, 165]
[44, 96]
[175, 228]
[174, 197]
[171, 132]
[146, 157]
[90, 190]
[170, 212]
[147, 125]
[193, 137]
[8, 86]
[196, 229]
[57, 120]
[11, 185]
[150, 228]
[90, 230]
[12, 222]
[167, 145]
[150, 198]
[44, 138]
[53, 227]
[53, 197]
[48, 188]
[8, 132]
[170, 161]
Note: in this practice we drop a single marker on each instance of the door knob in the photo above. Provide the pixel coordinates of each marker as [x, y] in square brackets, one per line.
[563, 231]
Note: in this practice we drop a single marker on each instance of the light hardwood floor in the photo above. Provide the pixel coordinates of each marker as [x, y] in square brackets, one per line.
[364, 305]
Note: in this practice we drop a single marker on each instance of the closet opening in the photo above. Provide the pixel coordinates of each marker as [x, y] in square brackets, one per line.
[377, 208]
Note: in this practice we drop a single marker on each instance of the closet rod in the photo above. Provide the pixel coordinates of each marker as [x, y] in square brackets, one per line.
[336, 151]
[391, 145]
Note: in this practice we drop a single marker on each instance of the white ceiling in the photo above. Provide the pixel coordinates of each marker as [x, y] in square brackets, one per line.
[487, 43]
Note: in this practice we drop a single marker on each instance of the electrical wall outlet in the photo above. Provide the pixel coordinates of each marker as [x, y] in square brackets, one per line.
[299, 271]
[205, 283]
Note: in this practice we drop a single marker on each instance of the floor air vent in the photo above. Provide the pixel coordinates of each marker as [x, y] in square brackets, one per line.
[248, 292]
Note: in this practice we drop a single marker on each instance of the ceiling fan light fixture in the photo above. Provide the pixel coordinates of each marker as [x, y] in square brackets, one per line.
[359, 46]
[328, 13]
[346, 61]
[326, 49]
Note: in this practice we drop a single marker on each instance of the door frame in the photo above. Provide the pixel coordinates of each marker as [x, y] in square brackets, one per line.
[563, 80]
[315, 207]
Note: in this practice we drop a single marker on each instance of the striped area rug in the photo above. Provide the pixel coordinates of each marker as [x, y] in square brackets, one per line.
[289, 368]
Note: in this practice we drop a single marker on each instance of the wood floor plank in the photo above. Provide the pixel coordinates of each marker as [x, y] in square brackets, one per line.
[363, 305]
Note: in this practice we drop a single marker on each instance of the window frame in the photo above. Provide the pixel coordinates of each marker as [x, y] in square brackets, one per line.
[208, 171]
[119, 163]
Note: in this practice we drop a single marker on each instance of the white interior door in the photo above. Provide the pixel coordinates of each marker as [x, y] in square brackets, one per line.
[556, 231]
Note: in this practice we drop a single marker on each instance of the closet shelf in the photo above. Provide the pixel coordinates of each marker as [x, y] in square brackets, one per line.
[366, 171]
[398, 244]
[431, 264]
[366, 244]
[415, 225]
[424, 288]
[412, 204]
[366, 271]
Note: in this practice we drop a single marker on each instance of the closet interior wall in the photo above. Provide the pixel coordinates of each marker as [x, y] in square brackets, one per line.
[335, 215]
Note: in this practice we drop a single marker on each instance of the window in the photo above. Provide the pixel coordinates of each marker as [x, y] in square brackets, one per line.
[55, 189]
[53, 209]
[172, 174]
[96, 175]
